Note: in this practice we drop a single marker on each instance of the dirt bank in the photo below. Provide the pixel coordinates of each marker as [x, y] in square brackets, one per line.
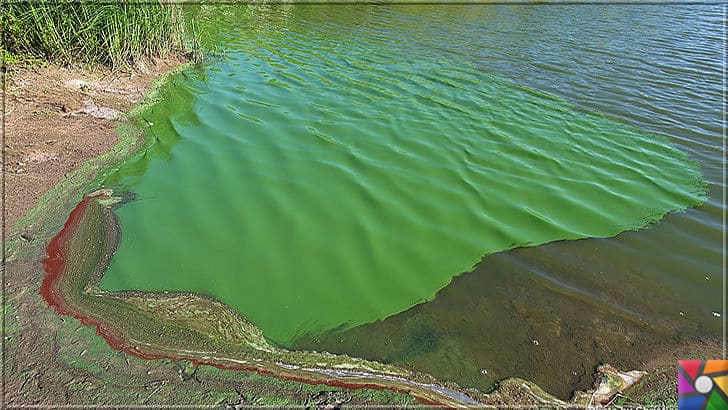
[56, 119]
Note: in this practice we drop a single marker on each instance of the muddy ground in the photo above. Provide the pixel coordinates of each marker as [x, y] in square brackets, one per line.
[57, 119]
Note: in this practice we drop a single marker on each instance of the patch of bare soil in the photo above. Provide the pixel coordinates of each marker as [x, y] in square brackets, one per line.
[58, 118]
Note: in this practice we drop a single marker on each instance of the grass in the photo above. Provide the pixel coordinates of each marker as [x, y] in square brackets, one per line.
[657, 389]
[111, 34]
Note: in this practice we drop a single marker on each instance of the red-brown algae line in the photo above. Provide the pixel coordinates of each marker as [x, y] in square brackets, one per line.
[55, 264]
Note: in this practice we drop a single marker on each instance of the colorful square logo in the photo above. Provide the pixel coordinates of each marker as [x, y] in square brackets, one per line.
[702, 385]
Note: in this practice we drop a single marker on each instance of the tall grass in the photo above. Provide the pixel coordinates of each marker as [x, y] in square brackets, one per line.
[113, 34]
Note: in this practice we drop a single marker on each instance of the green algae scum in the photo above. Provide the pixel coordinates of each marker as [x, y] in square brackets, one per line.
[313, 185]
[330, 169]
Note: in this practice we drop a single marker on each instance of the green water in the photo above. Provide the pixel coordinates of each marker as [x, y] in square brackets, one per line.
[329, 167]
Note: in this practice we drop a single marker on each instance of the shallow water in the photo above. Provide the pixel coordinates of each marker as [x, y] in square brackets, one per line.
[333, 166]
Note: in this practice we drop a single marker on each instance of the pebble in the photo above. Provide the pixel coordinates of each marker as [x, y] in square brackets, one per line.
[75, 83]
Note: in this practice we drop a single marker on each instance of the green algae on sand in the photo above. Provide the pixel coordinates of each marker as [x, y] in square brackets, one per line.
[315, 181]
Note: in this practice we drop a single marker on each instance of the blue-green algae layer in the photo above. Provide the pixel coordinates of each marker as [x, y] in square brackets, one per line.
[317, 174]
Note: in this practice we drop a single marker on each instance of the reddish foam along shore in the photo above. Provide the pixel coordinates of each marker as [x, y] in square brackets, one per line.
[55, 263]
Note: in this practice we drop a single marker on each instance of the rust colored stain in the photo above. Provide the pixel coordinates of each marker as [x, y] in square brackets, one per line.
[55, 262]
[50, 290]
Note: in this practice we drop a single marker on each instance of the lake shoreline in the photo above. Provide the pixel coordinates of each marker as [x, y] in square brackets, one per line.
[130, 336]
[45, 186]
[66, 188]
[70, 286]
[83, 107]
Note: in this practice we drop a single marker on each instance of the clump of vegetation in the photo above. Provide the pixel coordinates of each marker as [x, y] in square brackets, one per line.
[113, 34]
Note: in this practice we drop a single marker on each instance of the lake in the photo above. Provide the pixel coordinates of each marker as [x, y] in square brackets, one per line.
[337, 173]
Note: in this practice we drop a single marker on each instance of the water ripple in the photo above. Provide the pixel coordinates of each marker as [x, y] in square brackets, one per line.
[340, 167]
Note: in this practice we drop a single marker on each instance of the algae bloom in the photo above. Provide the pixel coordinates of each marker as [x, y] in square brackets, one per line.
[314, 180]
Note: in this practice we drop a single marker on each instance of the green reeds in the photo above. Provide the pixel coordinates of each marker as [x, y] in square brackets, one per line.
[113, 34]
